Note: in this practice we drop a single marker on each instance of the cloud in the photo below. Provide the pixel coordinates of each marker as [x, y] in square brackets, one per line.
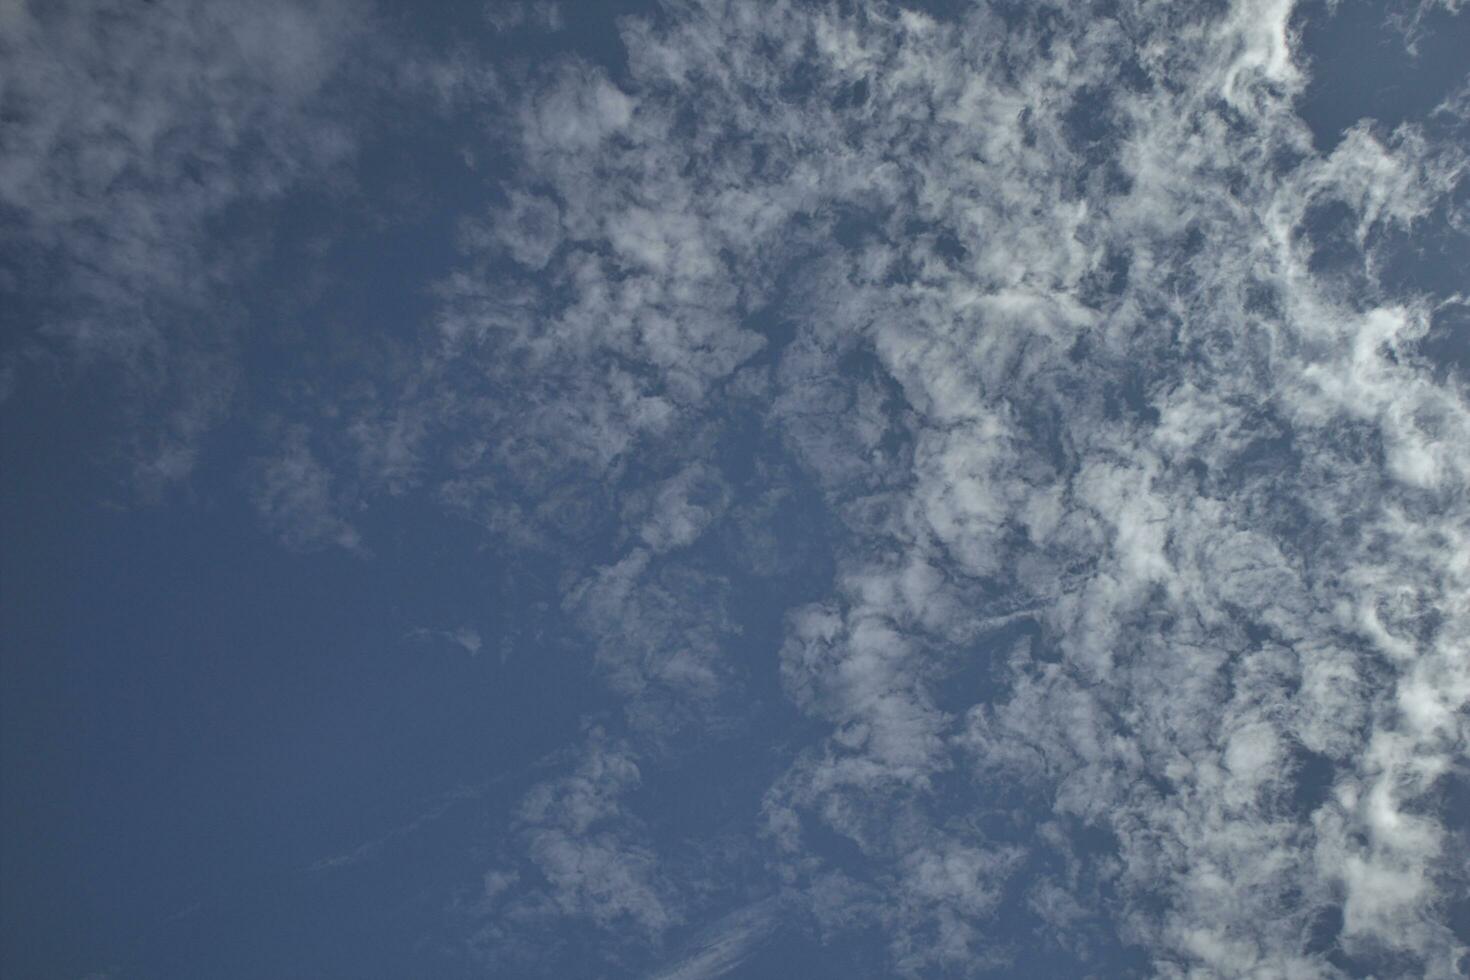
[660, 633]
[682, 507]
[529, 229]
[512, 16]
[132, 131]
[467, 638]
[726, 944]
[1146, 516]
[580, 854]
[296, 500]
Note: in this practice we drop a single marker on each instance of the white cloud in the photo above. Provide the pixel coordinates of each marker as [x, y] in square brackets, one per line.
[1058, 358]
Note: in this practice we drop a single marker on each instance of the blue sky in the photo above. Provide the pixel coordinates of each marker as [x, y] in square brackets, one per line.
[702, 489]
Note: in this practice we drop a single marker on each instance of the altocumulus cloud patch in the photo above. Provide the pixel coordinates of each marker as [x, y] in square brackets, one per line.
[950, 489]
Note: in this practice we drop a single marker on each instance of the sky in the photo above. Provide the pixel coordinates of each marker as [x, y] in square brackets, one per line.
[690, 489]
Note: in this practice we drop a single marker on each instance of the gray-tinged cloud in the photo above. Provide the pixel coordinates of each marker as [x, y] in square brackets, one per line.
[528, 229]
[131, 131]
[578, 854]
[726, 944]
[466, 638]
[660, 632]
[681, 508]
[296, 499]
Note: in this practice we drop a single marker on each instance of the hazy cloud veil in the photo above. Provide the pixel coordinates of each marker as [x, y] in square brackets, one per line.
[999, 471]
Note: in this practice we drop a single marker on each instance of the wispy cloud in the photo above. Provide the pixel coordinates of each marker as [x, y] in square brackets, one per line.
[131, 129]
[1146, 512]
[725, 944]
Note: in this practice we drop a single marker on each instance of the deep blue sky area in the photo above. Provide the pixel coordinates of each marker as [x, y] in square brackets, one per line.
[193, 716]
[687, 490]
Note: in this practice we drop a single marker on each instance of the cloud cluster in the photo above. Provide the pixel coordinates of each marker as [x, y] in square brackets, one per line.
[1147, 513]
[1068, 364]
